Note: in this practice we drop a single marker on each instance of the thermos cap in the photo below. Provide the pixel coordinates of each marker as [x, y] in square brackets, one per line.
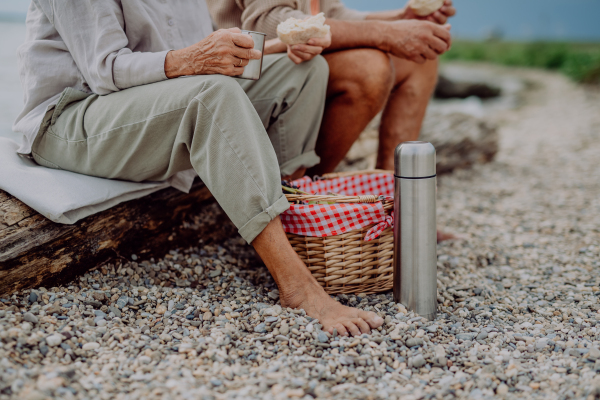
[415, 160]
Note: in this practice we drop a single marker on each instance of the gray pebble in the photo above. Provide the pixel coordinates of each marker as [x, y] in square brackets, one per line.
[322, 337]
[260, 328]
[29, 317]
[418, 361]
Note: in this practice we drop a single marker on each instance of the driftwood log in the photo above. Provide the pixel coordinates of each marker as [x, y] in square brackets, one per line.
[35, 251]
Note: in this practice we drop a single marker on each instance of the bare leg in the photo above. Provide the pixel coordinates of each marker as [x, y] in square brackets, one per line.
[403, 114]
[299, 289]
[360, 81]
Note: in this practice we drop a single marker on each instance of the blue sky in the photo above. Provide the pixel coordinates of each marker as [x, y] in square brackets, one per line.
[516, 19]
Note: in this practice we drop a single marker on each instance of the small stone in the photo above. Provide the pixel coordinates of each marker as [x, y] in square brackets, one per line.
[414, 342]
[346, 360]
[33, 297]
[170, 305]
[594, 354]
[99, 296]
[29, 317]
[44, 350]
[273, 295]
[161, 309]
[418, 361]
[284, 329]
[207, 316]
[122, 302]
[502, 389]
[464, 336]
[215, 382]
[54, 340]
[322, 337]
[271, 319]
[432, 328]
[260, 328]
[482, 335]
[90, 346]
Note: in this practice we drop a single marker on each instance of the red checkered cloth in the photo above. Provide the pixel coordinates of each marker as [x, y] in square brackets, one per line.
[322, 220]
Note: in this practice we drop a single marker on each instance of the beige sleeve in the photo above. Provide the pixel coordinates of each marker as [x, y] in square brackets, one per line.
[265, 15]
[334, 9]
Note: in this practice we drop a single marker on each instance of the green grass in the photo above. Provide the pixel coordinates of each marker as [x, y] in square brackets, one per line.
[580, 61]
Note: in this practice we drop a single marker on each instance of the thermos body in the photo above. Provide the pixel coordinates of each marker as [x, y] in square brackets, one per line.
[415, 237]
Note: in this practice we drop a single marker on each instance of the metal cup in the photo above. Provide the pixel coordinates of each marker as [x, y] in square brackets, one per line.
[253, 69]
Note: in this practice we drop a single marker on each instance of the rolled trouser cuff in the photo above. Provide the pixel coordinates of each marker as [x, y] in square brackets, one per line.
[257, 224]
[304, 160]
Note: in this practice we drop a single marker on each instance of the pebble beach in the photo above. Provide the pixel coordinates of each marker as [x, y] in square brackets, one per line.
[517, 293]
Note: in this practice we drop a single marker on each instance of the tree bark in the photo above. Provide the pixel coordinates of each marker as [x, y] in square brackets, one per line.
[35, 251]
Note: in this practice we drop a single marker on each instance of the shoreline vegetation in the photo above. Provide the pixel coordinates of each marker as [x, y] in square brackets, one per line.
[579, 61]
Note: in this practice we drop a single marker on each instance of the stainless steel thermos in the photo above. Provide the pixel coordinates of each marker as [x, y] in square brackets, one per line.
[415, 237]
[254, 67]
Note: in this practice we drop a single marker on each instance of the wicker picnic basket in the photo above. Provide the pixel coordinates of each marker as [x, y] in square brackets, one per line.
[346, 263]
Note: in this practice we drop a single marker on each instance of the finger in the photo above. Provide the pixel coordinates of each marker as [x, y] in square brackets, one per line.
[449, 11]
[429, 54]
[320, 42]
[303, 56]
[374, 320]
[304, 48]
[439, 17]
[242, 40]
[362, 325]
[240, 62]
[246, 54]
[341, 330]
[353, 329]
[294, 57]
[438, 45]
[442, 32]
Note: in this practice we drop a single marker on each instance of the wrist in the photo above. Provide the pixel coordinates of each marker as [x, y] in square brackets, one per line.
[174, 64]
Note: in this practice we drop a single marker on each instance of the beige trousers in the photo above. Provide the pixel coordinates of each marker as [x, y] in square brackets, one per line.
[239, 136]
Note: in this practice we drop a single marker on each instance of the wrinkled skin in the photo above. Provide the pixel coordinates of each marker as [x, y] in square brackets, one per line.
[224, 52]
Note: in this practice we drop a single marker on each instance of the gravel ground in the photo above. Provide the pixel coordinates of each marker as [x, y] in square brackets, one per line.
[518, 298]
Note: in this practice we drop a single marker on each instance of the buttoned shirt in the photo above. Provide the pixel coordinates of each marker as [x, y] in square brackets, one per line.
[265, 15]
[99, 46]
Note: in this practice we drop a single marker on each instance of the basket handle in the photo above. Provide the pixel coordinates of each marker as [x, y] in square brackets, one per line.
[335, 199]
[334, 175]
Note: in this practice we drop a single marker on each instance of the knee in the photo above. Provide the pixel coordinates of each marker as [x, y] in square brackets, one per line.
[370, 76]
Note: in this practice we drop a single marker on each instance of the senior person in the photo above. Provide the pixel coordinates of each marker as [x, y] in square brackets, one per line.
[383, 60]
[102, 99]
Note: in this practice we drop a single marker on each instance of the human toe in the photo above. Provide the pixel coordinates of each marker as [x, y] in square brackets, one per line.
[362, 325]
[341, 329]
[352, 328]
[374, 320]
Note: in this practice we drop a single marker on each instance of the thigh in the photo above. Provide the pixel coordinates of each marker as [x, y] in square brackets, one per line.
[127, 135]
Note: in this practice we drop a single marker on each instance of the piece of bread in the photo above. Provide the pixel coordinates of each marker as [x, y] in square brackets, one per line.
[298, 31]
[425, 7]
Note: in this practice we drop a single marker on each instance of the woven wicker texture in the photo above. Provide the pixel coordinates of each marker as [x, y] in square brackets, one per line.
[346, 263]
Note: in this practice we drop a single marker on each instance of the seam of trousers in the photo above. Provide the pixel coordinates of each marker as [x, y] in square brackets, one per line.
[50, 131]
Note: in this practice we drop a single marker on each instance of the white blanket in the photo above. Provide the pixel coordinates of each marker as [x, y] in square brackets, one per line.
[67, 197]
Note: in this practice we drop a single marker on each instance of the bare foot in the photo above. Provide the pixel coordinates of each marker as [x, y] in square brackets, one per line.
[299, 289]
[331, 314]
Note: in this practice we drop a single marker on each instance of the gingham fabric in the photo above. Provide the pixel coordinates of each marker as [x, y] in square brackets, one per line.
[322, 220]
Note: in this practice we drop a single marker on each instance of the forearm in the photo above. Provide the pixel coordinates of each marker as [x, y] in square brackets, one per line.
[355, 34]
[274, 46]
[391, 15]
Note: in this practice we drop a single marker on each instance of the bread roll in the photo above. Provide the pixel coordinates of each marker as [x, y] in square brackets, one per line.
[425, 7]
[297, 31]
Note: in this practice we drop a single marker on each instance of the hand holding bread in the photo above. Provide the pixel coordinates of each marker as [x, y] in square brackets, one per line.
[305, 39]
[297, 31]
[437, 11]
